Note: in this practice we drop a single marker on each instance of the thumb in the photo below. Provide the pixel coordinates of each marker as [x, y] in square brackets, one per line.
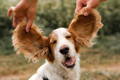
[86, 14]
[29, 24]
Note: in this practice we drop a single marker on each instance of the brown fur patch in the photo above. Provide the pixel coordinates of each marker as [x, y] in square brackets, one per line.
[52, 44]
[32, 44]
[85, 28]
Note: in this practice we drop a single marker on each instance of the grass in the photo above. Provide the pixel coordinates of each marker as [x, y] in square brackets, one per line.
[94, 67]
[100, 75]
[94, 57]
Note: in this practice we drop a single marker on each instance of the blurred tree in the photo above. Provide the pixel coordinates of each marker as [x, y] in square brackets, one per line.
[5, 29]
[53, 17]
[110, 12]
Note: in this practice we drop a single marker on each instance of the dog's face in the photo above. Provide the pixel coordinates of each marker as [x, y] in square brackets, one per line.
[62, 45]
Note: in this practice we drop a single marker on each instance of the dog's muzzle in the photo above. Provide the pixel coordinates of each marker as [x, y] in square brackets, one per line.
[69, 62]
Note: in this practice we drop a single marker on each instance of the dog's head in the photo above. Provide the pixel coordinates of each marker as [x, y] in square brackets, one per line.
[62, 45]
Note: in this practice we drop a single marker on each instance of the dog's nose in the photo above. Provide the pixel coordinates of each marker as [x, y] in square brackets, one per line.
[64, 50]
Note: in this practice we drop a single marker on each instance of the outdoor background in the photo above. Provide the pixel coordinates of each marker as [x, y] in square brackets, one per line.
[101, 62]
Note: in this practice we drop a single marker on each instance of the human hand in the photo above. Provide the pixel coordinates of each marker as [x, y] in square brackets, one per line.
[25, 9]
[85, 6]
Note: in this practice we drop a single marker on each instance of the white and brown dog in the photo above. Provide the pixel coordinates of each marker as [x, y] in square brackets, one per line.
[60, 49]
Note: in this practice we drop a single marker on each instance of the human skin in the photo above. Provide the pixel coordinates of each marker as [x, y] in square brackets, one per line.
[85, 6]
[25, 9]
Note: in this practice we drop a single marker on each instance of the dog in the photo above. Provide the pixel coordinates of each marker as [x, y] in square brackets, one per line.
[60, 49]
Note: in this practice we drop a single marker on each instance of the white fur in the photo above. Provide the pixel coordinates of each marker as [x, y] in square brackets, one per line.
[55, 70]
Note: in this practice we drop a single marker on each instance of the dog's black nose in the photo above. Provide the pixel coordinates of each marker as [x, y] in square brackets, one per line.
[64, 50]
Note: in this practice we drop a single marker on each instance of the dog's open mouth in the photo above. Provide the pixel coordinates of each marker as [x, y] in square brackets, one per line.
[69, 62]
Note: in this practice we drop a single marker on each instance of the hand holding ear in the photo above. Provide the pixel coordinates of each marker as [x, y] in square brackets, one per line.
[25, 9]
[85, 6]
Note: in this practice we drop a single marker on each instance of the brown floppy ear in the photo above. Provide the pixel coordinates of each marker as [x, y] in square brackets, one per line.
[85, 28]
[32, 44]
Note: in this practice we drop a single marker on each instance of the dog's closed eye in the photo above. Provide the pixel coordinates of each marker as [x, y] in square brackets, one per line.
[53, 42]
[68, 36]
[53, 39]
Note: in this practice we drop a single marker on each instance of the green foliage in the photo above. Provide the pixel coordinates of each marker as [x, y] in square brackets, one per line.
[109, 44]
[53, 16]
[110, 12]
[5, 29]
[6, 46]
[5, 33]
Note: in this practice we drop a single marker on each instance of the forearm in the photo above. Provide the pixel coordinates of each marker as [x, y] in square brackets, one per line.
[23, 4]
[34, 1]
[94, 3]
[30, 0]
[78, 3]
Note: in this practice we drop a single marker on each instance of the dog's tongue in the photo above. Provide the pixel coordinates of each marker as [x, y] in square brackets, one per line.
[70, 61]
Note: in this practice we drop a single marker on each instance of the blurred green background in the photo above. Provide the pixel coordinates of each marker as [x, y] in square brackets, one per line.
[102, 62]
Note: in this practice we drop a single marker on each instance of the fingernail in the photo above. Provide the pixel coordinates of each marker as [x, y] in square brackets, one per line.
[13, 25]
[27, 30]
[85, 14]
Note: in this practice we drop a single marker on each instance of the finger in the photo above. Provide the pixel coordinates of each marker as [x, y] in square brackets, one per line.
[82, 11]
[79, 6]
[78, 9]
[14, 22]
[10, 11]
[30, 18]
[29, 24]
[85, 14]
[85, 11]
[17, 19]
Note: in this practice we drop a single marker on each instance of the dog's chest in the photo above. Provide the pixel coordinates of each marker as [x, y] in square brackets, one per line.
[53, 72]
[58, 74]
[63, 76]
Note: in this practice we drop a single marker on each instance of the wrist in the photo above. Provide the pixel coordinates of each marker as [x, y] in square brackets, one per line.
[93, 3]
[31, 1]
[35, 1]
